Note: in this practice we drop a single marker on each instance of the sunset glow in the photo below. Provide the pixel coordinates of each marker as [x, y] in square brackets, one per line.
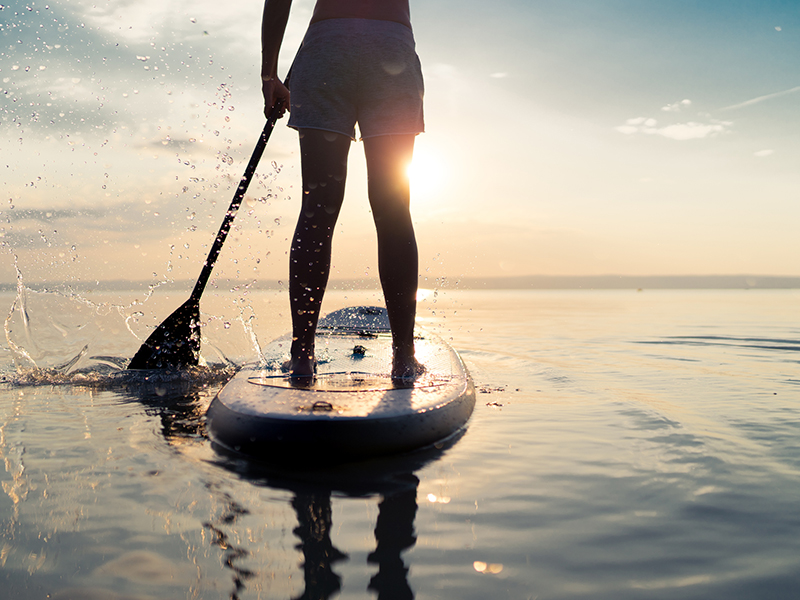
[553, 144]
[428, 173]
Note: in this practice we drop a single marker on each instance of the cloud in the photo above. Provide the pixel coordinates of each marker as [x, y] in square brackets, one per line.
[86, 68]
[763, 153]
[676, 107]
[67, 104]
[55, 214]
[689, 130]
[692, 130]
[677, 131]
[139, 22]
[762, 98]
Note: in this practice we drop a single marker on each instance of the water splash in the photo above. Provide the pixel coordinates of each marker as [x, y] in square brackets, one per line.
[62, 338]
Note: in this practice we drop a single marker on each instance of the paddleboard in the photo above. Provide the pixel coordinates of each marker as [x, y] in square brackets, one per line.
[352, 409]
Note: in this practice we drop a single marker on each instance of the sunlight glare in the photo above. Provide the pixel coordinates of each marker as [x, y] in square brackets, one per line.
[427, 171]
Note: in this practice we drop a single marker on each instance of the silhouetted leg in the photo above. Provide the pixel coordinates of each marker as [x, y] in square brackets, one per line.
[314, 530]
[388, 157]
[324, 169]
[394, 532]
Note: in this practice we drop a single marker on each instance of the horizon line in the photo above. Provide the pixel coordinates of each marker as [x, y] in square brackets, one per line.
[516, 282]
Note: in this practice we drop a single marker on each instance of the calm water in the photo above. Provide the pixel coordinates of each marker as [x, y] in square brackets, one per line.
[624, 445]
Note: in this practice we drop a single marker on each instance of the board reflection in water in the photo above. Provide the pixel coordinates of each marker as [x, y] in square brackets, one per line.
[392, 479]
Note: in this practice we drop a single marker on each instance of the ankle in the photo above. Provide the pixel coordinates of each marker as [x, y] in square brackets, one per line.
[405, 367]
[300, 367]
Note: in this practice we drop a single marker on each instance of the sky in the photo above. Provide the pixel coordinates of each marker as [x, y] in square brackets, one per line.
[563, 137]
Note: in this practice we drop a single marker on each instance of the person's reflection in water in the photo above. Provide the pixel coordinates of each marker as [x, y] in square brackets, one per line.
[314, 530]
[180, 408]
[394, 533]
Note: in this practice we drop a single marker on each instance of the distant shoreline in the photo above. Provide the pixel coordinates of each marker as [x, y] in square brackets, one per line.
[533, 282]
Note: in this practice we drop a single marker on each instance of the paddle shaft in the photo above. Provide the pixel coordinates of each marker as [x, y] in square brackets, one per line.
[213, 254]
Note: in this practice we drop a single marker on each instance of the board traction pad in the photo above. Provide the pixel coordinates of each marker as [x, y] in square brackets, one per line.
[350, 381]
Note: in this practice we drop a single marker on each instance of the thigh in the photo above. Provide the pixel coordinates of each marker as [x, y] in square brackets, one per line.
[388, 158]
[323, 156]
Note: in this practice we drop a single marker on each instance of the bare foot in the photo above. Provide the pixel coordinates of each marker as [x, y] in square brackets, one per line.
[301, 368]
[408, 368]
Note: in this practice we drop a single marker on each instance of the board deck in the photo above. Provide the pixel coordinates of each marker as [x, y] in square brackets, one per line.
[353, 408]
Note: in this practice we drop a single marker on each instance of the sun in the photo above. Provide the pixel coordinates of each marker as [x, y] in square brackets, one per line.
[427, 172]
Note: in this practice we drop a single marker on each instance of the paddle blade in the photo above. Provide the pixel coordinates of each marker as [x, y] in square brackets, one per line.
[175, 343]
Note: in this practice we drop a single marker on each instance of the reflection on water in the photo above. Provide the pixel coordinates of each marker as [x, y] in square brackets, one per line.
[233, 553]
[319, 554]
[624, 445]
[394, 533]
[392, 480]
[224, 510]
[180, 410]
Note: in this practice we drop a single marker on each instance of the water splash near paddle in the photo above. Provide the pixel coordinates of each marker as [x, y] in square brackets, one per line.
[176, 342]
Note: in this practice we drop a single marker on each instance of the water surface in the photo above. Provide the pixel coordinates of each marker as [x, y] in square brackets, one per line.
[624, 445]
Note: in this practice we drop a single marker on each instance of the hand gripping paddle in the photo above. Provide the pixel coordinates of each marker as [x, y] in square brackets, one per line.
[176, 342]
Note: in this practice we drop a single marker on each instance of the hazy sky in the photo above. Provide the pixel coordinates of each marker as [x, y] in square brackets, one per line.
[563, 137]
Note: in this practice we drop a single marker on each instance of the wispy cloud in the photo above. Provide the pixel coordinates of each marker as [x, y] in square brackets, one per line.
[762, 98]
[687, 130]
[690, 130]
[677, 106]
[54, 215]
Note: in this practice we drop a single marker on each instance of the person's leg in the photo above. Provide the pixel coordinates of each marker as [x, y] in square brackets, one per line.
[388, 157]
[324, 168]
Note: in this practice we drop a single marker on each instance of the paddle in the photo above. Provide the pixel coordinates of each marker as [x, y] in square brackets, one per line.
[176, 342]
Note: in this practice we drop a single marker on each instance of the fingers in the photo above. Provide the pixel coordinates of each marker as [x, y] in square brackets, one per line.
[275, 93]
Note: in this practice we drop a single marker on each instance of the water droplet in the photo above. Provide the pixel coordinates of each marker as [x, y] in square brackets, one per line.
[491, 568]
